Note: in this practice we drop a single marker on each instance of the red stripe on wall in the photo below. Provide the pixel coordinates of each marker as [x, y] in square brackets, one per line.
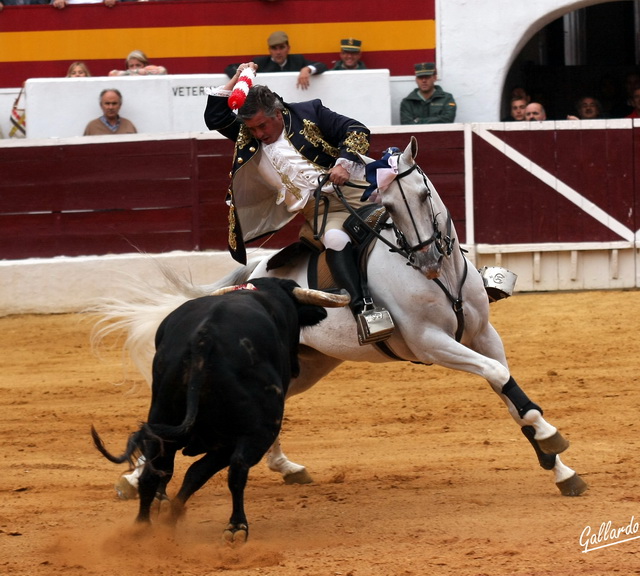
[211, 12]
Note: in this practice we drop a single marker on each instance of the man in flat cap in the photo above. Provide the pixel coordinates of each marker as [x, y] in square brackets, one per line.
[428, 103]
[279, 60]
[350, 52]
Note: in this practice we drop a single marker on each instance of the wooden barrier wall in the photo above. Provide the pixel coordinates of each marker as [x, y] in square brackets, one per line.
[542, 198]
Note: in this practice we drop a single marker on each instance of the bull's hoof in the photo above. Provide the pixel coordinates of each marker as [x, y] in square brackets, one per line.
[236, 534]
[555, 444]
[573, 486]
[125, 490]
[300, 477]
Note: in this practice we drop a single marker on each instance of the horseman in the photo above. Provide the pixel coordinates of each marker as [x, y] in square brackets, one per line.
[283, 153]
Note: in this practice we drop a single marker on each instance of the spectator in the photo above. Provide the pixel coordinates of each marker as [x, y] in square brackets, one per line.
[280, 60]
[535, 111]
[78, 70]
[110, 122]
[137, 64]
[428, 103]
[587, 108]
[521, 93]
[350, 52]
[635, 99]
[63, 3]
[517, 108]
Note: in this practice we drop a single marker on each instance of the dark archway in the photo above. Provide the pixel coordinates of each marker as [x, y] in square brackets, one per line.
[590, 51]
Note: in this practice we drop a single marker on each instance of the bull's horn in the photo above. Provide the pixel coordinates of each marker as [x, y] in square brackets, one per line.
[320, 298]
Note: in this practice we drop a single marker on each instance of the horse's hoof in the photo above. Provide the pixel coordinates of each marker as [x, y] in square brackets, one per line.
[573, 486]
[300, 477]
[555, 444]
[125, 490]
[236, 534]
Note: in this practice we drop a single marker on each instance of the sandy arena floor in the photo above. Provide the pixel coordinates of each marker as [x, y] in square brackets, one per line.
[418, 470]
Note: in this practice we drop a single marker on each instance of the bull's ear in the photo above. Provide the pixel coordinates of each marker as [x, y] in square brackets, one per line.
[320, 298]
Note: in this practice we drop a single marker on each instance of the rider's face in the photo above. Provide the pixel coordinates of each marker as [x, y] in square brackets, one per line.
[265, 128]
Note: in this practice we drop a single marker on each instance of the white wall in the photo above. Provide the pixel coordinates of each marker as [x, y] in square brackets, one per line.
[71, 284]
[61, 107]
[478, 41]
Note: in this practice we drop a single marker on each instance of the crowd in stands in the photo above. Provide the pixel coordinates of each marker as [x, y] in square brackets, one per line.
[428, 103]
[597, 104]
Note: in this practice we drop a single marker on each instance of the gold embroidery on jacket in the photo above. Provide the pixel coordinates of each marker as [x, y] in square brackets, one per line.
[243, 137]
[233, 241]
[357, 142]
[312, 133]
[291, 187]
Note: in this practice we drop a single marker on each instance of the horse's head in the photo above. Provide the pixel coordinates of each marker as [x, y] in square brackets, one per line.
[421, 221]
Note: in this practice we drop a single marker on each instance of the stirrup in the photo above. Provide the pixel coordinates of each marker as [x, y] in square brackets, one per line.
[498, 282]
[374, 324]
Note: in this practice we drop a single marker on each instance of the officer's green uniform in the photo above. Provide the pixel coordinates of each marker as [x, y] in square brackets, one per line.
[439, 109]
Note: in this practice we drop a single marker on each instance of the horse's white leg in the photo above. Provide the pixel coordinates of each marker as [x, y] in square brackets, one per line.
[313, 367]
[545, 438]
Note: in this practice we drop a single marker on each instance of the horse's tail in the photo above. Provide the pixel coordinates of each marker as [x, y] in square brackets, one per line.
[140, 314]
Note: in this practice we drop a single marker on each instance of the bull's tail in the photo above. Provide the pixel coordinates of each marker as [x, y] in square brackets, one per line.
[201, 349]
[141, 312]
[134, 444]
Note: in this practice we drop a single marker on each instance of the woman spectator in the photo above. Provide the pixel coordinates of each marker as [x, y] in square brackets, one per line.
[138, 65]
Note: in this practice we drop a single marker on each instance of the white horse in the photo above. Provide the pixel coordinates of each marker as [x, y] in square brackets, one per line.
[435, 296]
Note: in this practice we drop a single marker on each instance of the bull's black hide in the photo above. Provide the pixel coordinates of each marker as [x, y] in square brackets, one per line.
[220, 374]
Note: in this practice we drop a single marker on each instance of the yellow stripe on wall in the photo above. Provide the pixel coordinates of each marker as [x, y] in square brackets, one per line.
[199, 41]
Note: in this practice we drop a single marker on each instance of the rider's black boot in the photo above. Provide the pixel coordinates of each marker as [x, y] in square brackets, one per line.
[374, 324]
[342, 265]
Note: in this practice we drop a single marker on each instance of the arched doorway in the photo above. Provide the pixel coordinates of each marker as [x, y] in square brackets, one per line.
[590, 51]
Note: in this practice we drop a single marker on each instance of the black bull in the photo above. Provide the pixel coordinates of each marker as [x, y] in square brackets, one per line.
[220, 375]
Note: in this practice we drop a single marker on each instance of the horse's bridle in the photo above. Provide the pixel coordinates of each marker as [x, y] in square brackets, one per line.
[444, 244]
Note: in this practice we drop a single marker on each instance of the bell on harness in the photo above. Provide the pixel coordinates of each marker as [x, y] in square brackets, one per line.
[374, 323]
[498, 282]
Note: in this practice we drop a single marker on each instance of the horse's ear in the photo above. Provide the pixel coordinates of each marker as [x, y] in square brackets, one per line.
[411, 151]
[414, 147]
[365, 159]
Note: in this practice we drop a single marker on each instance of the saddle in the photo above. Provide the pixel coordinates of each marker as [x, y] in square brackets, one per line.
[375, 323]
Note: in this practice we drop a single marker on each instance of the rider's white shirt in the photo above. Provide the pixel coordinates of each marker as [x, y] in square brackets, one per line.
[293, 176]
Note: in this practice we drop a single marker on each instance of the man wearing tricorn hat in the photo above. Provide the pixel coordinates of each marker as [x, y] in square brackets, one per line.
[279, 60]
[428, 103]
[350, 52]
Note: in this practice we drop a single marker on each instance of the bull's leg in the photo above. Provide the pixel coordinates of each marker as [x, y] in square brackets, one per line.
[153, 476]
[196, 477]
[248, 453]
[238, 528]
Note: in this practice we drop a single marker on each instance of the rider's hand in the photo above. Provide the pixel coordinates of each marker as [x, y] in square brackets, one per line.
[338, 175]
